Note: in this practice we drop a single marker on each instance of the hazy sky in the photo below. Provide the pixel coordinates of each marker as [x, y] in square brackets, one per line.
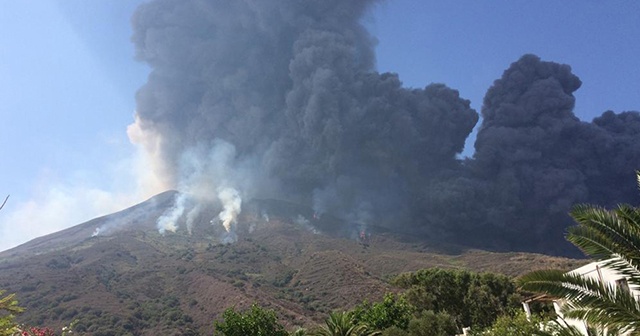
[68, 81]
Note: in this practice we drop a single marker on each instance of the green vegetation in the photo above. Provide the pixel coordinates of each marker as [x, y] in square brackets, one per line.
[471, 299]
[8, 327]
[392, 311]
[284, 278]
[255, 322]
[511, 325]
[429, 323]
[343, 324]
[8, 308]
[435, 302]
[610, 236]
[518, 325]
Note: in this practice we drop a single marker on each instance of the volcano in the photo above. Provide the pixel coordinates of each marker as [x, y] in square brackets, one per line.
[117, 275]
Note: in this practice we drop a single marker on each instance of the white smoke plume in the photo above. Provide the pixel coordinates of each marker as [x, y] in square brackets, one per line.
[232, 205]
[96, 232]
[191, 217]
[209, 175]
[305, 223]
[169, 220]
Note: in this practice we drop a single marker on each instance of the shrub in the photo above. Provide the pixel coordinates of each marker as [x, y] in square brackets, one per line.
[254, 322]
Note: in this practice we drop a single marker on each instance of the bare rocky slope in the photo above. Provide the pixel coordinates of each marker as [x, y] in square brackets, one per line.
[130, 279]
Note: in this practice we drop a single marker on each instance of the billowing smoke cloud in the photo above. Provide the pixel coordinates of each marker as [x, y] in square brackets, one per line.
[290, 87]
[534, 159]
[532, 145]
[279, 98]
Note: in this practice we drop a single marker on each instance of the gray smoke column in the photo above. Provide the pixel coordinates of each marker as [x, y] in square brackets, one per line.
[290, 86]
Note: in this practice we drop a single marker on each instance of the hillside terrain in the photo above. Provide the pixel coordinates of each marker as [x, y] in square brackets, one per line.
[118, 275]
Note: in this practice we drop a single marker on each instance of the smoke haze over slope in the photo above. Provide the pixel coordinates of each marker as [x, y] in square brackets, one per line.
[281, 99]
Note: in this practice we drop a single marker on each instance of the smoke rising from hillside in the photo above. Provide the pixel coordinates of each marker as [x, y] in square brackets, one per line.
[280, 98]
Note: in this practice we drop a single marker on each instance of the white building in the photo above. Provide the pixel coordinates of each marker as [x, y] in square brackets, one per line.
[594, 270]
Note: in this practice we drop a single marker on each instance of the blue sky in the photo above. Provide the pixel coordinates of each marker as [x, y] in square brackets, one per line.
[68, 81]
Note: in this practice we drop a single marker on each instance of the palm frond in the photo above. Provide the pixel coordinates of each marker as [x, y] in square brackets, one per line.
[343, 324]
[605, 232]
[610, 236]
[587, 299]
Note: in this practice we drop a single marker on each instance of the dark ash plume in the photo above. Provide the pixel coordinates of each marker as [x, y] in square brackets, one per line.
[279, 99]
[534, 159]
[290, 86]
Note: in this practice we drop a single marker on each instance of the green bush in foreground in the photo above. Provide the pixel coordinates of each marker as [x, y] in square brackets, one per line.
[392, 311]
[507, 325]
[256, 321]
[471, 299]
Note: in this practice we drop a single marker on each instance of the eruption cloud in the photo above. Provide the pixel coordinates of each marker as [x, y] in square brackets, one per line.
[280, 99]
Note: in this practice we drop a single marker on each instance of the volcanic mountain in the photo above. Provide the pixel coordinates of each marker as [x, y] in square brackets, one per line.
[117, 275]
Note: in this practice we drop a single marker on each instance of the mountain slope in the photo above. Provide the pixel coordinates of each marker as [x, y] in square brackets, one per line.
[130, 279]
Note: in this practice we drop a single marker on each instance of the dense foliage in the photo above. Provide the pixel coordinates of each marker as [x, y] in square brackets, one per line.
[392, 311]
[511, 325]
[428, 323]
[436, 302]
[472, 299]
[256, 321]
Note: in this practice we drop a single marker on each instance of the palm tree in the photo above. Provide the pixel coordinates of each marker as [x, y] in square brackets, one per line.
[562, 328]
[613, 238]
[343, 324]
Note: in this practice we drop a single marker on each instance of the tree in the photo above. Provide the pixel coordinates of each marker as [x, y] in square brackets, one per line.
[255, 322]
[511, 325]
[519, 324]
[472, 299]
[392, 311]
[8, 307]
[610, 236]
[432, 324]
[343, 324]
